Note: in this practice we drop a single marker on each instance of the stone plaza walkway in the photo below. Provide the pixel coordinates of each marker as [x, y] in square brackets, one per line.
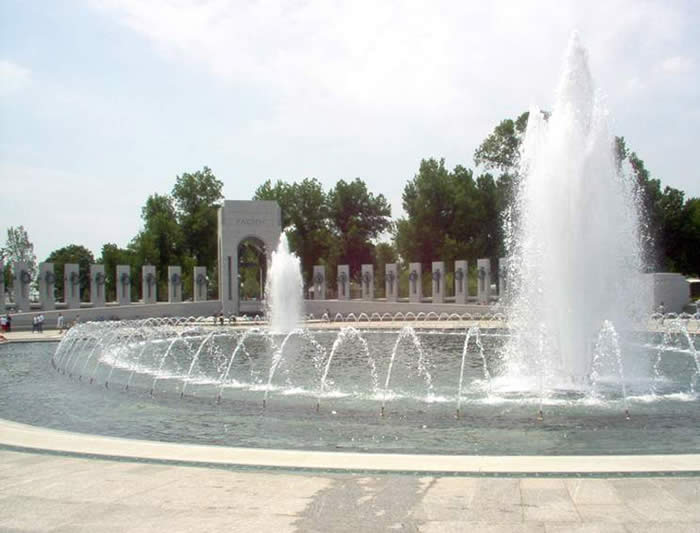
[52, 493]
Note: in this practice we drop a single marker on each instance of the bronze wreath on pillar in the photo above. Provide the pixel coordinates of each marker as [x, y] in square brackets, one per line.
[25, 277]
[482, 278]
[175, 281]
[437, 276]
[201, 279]
[99, 278]
[391, 277]
[459, 276]
[342, 279]
[49, 277]
[367, 278]
[413, 277]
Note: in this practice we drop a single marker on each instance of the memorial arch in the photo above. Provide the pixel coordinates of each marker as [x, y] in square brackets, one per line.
[244, 223]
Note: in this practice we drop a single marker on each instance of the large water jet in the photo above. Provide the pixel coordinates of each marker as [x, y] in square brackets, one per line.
[574, 257]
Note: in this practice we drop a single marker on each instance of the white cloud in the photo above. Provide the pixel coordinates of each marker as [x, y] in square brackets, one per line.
[13, 77]
[677, 65]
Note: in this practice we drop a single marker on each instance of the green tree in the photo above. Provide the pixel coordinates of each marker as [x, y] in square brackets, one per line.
[304, 218]
[197, 197]
[501, 149]
[113, 255]
[73, 253]
[161, 240]
[450, 215]
[18, 248]
[358, 217]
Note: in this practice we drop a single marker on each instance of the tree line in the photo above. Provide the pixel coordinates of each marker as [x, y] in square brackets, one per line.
[450, 214]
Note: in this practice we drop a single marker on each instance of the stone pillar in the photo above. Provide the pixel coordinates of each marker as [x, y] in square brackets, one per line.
[483, 270]
[415, 282]
[502, 277]
[438, 275]
[2, 287]
[174, 284]
[47, 281]
[97, 285]
[368, 282]
[201, 284]
[461, 282]
[391, 282]
[123, 284]
[71, 285]
[20, 283]
[149, 284]
[319, 281]
[343, 282]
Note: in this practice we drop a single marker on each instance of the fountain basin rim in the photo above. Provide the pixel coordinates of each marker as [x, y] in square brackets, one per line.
[26, 437]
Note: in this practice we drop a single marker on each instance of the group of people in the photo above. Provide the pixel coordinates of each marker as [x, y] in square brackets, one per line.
[38, 323]
[6, 323]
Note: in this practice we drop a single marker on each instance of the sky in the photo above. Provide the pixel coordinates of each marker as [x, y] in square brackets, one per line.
[104, 102]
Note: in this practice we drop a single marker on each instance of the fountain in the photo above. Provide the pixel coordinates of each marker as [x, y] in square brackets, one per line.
[284, 289]
[571, 342]
[574, 258]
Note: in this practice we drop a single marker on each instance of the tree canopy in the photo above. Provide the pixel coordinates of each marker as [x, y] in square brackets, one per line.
[72, 253]
[329, 228]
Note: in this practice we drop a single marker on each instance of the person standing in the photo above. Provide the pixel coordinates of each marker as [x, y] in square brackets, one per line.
[40, 323]
[59, 323]
[9, 323]
[35, 322]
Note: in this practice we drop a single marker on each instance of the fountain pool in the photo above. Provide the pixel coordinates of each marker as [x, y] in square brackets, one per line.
[190, 382]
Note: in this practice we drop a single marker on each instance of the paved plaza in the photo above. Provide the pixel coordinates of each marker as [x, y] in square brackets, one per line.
[53, 493]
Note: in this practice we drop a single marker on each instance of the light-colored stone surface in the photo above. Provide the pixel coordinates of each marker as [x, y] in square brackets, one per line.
[97, 285]
[483, 280]
[46, 493]
[367, 282]
[391, 282]
[149, 284]
[123, 284]
[319, 282]
[238, 221]
[461, 280]
[415, 282]
[174, 284]
[20, 286]
[200, 288]
[438, 275]
[47, 280]
[343, 282]
[33, 437]
[71, 285]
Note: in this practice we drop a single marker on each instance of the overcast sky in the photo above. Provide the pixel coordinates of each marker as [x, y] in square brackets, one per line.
[104, 102]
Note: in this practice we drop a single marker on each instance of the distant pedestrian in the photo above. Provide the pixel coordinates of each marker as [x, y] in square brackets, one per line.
[35, 323]
[40, 322]
[221, 319]
[59, 323]
[9, 323]
[661, 309]
[3, 323]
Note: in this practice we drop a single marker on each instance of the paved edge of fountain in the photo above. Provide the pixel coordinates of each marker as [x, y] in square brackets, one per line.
[24, 437]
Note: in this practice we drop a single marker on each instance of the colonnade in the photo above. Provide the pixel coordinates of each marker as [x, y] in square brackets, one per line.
[72, 286]
[438, 274]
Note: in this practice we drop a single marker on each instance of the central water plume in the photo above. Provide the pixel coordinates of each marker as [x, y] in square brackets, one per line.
[284, 291]
[574, 252]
